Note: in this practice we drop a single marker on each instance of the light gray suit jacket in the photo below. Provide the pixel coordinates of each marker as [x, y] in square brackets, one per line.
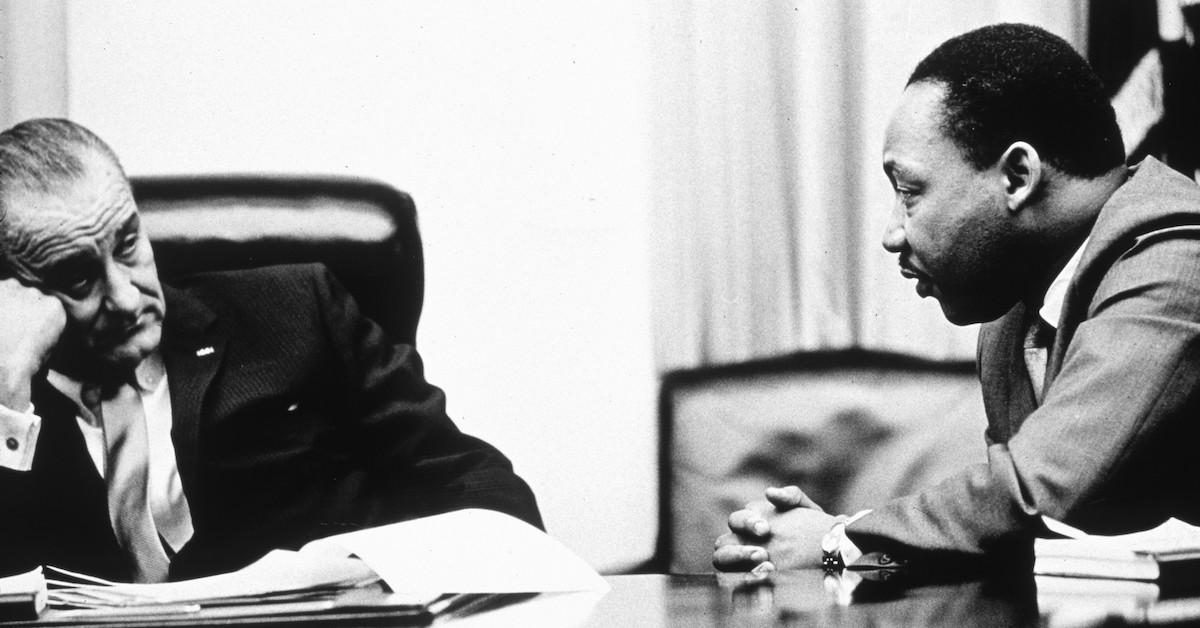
[1113, 446]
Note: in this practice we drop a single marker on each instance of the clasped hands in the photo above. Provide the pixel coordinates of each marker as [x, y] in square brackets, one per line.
[782, 532]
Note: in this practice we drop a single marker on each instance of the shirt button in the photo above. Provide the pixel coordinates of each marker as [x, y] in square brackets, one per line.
[12, 443]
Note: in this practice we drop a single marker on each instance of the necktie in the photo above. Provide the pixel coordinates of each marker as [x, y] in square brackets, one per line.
[1038, 338]
[126, 474]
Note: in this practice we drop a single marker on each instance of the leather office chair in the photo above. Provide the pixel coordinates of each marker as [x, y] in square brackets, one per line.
[853, 428]
[363, 230]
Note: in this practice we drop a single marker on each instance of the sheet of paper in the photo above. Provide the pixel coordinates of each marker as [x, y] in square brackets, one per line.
[466, 551]
[32, 581]
[279, 571]
[1172, 535]
[23, 595]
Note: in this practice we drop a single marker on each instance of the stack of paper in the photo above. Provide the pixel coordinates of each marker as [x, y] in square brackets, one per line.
[1144, 577]
[401, 566]
[279, 577]
[1169, 552]
[22, 596]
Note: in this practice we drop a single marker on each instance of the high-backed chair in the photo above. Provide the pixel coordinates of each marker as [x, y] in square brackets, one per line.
[852, 428]
[364, 231]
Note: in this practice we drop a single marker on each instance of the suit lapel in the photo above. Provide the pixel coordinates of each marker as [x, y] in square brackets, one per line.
[1008, 393]
[74, 506]
[193, 349]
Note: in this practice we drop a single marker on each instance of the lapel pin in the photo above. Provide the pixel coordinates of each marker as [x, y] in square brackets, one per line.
[203, 351]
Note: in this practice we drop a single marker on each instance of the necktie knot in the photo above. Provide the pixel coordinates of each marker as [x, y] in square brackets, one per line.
[91, 397]
[93, 393]
[1040, 334]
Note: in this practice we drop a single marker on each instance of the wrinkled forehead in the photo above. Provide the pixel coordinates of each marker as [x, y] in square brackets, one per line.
[79, 213]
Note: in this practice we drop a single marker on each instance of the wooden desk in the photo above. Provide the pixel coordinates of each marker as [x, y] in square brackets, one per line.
[789, 599]
[801, 598]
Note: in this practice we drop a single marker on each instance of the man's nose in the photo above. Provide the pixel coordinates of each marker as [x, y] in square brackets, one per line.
[120, 295]
[893, 233]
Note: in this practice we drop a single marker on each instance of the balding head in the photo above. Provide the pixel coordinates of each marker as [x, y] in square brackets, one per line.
[40, 155]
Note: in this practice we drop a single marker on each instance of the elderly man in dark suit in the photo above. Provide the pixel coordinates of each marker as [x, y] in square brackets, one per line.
[151, 432]
[1014, 207]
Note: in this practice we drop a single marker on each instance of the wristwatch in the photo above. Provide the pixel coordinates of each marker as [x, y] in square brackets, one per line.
[835, 546]
[831, 545]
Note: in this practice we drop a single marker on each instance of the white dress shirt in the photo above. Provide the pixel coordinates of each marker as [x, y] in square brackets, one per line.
[1052, 303]
[168, 504]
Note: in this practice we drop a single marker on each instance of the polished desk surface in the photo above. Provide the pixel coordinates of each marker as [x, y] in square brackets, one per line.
[801, 598]
[809, 598]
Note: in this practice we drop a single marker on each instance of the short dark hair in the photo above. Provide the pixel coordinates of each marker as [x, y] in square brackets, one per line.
[1015, 82]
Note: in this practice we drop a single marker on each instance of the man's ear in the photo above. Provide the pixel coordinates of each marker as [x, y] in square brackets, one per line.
[1022, 170]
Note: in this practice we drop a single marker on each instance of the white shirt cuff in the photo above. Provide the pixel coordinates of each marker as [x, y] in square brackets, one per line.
[849, 551]
[18, 438]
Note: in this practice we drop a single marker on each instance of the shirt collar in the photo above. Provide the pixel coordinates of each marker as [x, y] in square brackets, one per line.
[73, 390]
[148, 375]
[1052, 303]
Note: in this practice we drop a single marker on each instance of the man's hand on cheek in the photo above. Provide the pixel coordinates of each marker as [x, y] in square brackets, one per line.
[31, 323]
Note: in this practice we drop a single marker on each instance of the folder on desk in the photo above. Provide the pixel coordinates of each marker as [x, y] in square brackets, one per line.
[1168, 554]
[401, 568]
[22, 596]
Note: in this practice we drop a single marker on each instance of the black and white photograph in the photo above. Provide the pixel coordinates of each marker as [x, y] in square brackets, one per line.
[588, 314]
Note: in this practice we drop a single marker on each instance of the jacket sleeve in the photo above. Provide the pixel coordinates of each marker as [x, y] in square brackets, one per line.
[1108, 448]
[401, 430]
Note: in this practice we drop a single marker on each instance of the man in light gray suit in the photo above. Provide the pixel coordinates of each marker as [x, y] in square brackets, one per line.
[1014, 207]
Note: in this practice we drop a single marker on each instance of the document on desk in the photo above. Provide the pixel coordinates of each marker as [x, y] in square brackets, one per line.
[1168, 554]
[22, 596]
[465, 551]
[280, 575]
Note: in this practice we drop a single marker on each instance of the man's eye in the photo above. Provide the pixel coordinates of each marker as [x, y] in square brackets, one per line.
[905, 195]
[76, 285]
[127, 245]
[73, 280]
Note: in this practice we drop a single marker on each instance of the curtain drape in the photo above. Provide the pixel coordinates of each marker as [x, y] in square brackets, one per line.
[769, 200]
[33, 60]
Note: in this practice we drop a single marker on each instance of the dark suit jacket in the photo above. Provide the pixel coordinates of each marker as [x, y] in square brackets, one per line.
[1112, 446]
[302, 421]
